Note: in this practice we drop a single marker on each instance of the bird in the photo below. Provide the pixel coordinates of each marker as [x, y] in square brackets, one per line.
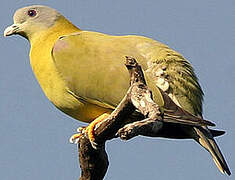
[82, 73]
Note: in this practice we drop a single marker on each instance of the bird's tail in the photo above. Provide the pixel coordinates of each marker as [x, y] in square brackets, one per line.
[205, 139]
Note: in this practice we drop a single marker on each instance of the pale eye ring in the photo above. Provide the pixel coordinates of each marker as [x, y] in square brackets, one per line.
[32, 12]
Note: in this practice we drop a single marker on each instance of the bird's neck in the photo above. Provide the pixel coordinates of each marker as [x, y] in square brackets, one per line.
[60, 28]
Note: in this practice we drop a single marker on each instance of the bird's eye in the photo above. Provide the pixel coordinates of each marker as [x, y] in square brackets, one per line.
[32, 13]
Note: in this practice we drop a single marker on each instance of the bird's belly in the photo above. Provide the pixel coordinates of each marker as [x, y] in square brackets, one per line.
[80, 110]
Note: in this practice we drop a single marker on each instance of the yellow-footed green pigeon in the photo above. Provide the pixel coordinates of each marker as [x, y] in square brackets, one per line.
[83, 74]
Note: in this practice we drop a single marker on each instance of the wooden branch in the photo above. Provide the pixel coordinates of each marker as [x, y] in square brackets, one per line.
[147, 120]
[94, 161]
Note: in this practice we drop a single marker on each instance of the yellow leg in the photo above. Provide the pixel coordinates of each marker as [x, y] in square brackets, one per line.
[91, 126]
[89, 130]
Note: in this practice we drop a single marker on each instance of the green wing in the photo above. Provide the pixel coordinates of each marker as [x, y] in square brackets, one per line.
[92, 65]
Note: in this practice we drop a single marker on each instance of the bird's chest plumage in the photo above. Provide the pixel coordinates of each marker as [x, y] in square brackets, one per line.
[49, 79]
[55, 88]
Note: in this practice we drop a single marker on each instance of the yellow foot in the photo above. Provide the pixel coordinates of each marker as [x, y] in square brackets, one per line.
[89, 130]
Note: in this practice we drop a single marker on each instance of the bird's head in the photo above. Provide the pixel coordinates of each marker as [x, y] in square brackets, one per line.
[32, 20]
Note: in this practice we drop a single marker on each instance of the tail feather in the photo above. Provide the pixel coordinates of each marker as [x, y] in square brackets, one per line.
[216, 133]
[205, 139]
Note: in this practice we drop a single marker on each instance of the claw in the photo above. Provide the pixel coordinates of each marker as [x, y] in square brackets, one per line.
[74, 139]
[81, 129]
[89, 130]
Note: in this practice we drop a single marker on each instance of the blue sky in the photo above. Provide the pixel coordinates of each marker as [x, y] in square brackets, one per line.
[34, 134]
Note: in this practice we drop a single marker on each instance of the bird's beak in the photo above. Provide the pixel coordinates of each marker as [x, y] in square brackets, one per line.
[13, 29]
